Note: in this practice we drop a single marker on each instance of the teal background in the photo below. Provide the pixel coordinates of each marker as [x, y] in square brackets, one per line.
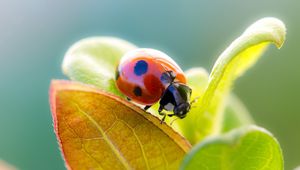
[35, 34]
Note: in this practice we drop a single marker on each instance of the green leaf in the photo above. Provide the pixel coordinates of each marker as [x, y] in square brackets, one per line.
[235, 114]
[232, 63]
[246, 148]
[94, 60]
[197, 79]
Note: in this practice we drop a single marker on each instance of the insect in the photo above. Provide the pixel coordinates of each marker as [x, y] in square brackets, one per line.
[147, 76]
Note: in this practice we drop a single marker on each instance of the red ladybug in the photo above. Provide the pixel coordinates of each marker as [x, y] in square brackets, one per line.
[147, 76]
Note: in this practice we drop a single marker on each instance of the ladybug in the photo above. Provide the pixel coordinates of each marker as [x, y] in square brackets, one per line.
[147, 76]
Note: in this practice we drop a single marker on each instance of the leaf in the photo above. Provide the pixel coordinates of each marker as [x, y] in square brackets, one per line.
[235, 114]
[97, 130]
[232, 63]
[94, 60]
[246, 148]
[197, 79]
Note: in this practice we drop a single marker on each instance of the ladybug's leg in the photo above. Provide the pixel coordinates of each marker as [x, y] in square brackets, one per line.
[164, 117]
[127, 98]
[160, 109]
[170, 115]
[162, 113]
[147, 107]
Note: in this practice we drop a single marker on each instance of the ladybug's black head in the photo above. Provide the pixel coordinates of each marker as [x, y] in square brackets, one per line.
[181, 110]
[176, 98]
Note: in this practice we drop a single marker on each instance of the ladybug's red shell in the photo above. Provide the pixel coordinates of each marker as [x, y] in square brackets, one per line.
[139, 75]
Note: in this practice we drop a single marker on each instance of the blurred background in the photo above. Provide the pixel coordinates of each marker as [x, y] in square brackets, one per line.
[35, 34]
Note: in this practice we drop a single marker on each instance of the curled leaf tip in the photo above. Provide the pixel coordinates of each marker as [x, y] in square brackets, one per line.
[272, 28]
[240, 55]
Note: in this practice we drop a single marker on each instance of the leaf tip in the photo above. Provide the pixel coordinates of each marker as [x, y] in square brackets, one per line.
[273, 27]
[280, 28]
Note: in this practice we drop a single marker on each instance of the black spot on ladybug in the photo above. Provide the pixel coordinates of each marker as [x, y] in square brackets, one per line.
[137, 91]
[140, 67]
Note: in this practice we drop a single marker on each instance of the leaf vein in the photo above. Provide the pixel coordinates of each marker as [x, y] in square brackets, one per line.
[139, 141]
[106, 138]
[82, 145]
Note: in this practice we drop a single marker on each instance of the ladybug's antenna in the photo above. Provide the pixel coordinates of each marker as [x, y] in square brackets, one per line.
[173, 121]
[194, 100]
